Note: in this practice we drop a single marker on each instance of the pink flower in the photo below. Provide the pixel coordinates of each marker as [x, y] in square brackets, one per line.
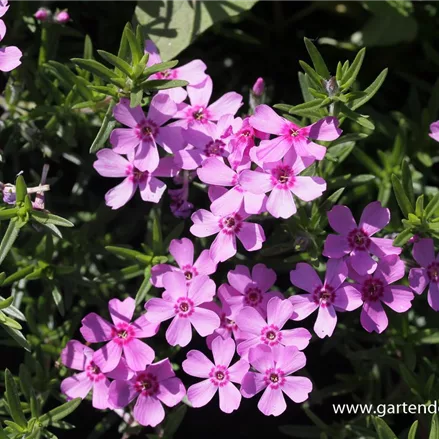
[227, 228]
[216, 172]
[4, 6]
[181, 303]
[42, 14]
[357, 241]
[273, 367]
[205, 141]
[282, 179]
[434, 131]
[219, 376]
[140, 140]
[122, 336]
[328, 297]
[250, 289]
[193, 72]
[62, 17]
[375, 288]
[179, 204]
[80, 357]
[259, 87]
[10, 58]
[291, 136]
[428, 272]
[110, 164]
[154, 386]
[199, 112]
[270, 332]
[183, 252]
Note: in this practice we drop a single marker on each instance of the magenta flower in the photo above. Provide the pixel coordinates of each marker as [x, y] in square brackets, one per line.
[357, 241]
[427, 273]
[122, 336]
[291, 136]
[250, 289]
[376, 288]
[434, 131]
[42, 14]
[140, 140]
[227, 228]
[154, 386]
[181, 303]
[282, 179]
[110, 164]
[273, 367]
[328, 297]
[270, 332]
[258, 88]
[199, 112]
[192, 72]
[80, 357]
[219, 376]
[183, 252]
[216, 172]
[62, 17]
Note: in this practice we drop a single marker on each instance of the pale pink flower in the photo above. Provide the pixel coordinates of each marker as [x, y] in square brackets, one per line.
[219, 375]
[122, 336]
[273, 367]
[181, 303]
[154, 386]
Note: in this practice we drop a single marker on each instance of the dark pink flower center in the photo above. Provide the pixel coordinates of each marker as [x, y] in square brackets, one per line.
[219, 376]
[231, 224]
[198, 113]
[358, 239]
[147, 130]
[166, 74]
[282, 177]
[135, 175]
[274, 378]
[146, 383]
[253, 296]
[373, 290]
[324, 296]
[184, 307]
[122, 333]
[227, 323]
[189, 272]
[433, 271]
[270, 335]
[215, 148]
[93, 372]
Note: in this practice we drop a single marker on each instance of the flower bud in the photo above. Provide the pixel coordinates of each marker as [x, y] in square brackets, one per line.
[259, 87]
[42, 14]
[62, 17]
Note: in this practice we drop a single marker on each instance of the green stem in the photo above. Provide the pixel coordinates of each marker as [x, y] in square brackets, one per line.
[44, 47]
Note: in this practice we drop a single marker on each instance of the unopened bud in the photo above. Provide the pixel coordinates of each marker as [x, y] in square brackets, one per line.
[259, 87]
[42, 14]
[62, 17]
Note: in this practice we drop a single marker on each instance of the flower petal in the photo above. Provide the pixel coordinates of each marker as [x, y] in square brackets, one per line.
[201, 393]
[280, 203]
[204, 321]
[95, 329]
[229, 398]
[308, 188]
[197, 364]
[110, 164]
[305, 278]
[374, 218]
[121, 311]
[148, 411]
[77, 386]
[120, 194]
[297, 388]
[423, 252]
[223, 351]
[341, 220]
[326, 321]
[227, 104]
[398, 298]
[179, 332]
[138, 354]
[130, 117]
[373, 317]
[183, 251]
[272, 402]
[267, 120]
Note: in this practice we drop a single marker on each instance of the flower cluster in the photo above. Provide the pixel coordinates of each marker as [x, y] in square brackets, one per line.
[9, 56]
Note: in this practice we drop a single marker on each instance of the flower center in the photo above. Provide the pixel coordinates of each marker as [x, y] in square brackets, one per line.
[146, 130]
[231, 224]
[198, 114]
[253, 296]
[372, 290]
[93, 372]
[283, 177]
[189, 272]
[227, 323]
[270, 335]
[122, 333]
[166, 74]
[358, 239]
[146, 383]
[214, 148]
[219, 376]
[184, 307]
[433, 271]
[274, 378]
[324, 296]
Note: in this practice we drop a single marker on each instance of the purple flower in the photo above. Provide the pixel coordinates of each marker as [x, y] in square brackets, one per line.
[282, 179]
[227, 228]
[80, 357]
[328, 297]
[273, 367]
[434, 131]
[376, 288]
[192, 72]
[140, 140]
[270, 332]
[291, 136]
[250, 289]
[122, 336]
[428, 272]
[219, 375]
[110, 164]
[357, 241]
[181, 303]
[183, 252]
[199, 112]
[154, 386]
[216, 172]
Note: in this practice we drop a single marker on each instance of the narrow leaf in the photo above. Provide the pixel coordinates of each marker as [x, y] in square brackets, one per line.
[317, 59]
[352, 73]
[105, 130]
[14, 400]
[401, 197]
[60, 412]
[8, 239]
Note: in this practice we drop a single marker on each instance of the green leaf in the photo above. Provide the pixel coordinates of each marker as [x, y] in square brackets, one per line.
[20, 190]
[58, 299]
[434, 428]
[128, 253]
[317, 59]
[99, 70]
[431, 207]
[413, 429]
[162, 84]
[157, 238]
[173, 420]
[8, 213]
[403, 238]
[18, 337]
[370, 91]
[401, 197]
[419, 209]
[136, 97]
[136, 49]
[382, 429]
[50, 218]
[352, 73]
[304, 87]
[60, 412]
[20, 274]
[88, 48]
[144, 287]
[117, 62]
[160, 67]
[14, 403]
[358, 118]
[5, 303]
[173, 32]
[368, 162]
[105, 130]
[407, 182]
[9, 238]
[312, 75]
